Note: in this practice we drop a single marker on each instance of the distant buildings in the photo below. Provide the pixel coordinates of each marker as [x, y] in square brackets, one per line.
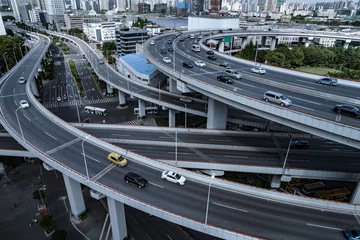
[126, 40]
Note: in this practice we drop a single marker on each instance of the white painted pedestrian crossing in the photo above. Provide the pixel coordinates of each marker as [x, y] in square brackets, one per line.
[104, 100]
[133, 122]
[84, 102]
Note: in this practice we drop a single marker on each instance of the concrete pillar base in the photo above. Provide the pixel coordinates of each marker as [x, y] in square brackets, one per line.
[117, 219]
[217, 114]
[172, 118]
[109, 89]
[355, 198]
[122, 100]
[172, 86]
[141, 108]
[273, 43]
[76, 199]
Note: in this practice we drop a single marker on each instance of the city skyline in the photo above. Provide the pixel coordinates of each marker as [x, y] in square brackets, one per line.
[310, 1]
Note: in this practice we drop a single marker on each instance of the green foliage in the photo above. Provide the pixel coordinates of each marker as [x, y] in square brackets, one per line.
[78, 33]
[248, 52]
[75, 74]
[275, 58]
[9, 32]
[46, 221]
[9, 46]
[59, 234]
[5, 18]
[139, 22]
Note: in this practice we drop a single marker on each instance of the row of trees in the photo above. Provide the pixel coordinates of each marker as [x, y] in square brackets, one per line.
[11, 51]
[347, 61]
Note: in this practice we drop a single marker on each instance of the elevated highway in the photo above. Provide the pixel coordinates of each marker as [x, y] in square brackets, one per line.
[312, 109]
[231, 205]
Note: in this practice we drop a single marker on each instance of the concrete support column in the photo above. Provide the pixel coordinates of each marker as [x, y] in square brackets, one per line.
[172, 86]
[307, 43]
[76, 199]
[263, 41]
[355, 198]
[117, 219]
[141, 108]
[217, 114]
[33, 87]
[221, 46]
[275, 181]
[172, 118]
[243, 42]
[109, 89]
[122, 100]
[273, 43]
[346, 44]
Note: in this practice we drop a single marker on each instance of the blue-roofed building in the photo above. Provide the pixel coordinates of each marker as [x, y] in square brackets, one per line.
[135, 67]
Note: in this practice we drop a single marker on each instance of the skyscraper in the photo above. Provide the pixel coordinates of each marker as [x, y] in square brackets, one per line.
[55, 10]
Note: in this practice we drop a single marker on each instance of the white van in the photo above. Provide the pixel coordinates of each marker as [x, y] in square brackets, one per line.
[278, 98]
[233, 74]
[195, 47]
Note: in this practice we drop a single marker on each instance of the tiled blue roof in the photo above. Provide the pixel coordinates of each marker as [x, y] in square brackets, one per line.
[138, 62]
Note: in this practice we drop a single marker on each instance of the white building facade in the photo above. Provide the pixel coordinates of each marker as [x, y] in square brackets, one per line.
[101, 31]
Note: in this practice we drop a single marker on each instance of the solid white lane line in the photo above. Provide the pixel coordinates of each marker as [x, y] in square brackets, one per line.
[50, 135]
[225, 206]
[118, 134]
[14, 90]
[301, 99]
[148, 236]
[220, 140]
[164, 137]
[91, 158]
[27, 118]
[133, 218]
[156, 185]
[179, 153]
[320, 226]
[169, 237]
[303, 107]
[15, 102]
[154, 94]
[248, 116]
[229, 156]
[300, 85]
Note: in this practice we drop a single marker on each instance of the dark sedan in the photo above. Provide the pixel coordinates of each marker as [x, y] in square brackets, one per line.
[135, 179]
[170, 49]
[225, 79]
[187, 64]
[163, 51]
[212, 57]
[210, 52]
[347, 110]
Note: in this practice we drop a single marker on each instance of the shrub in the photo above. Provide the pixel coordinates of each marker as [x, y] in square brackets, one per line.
[46, 221]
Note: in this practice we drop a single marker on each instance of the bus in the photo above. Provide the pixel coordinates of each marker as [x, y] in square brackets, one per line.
[339, 194]
[195, 47]
[148, 110]
[95, 110]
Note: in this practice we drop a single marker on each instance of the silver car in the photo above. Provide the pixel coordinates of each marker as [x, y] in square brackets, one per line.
[185, 99]
[327, 81]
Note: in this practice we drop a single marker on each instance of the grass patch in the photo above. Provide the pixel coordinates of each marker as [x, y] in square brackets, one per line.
[317, 70]
[75, 74]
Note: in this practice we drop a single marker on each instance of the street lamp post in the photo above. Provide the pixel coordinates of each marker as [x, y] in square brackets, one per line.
[7, 67]
[208, 200]
[176, 147]
[21, 51]
[287, 154]
[17, 117]
[185, 115]
[15, 56]
[83, 150]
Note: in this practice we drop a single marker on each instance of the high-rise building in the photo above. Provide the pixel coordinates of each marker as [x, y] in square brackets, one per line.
[15, 6]
[75, 4]
[55, 10]
[121, 5]
[104, 4]
[2, 27]
[126, 40]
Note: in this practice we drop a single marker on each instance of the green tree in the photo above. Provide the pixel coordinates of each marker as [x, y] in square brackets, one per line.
[298, 59]
[46, 221]
[275, 58]
[59, 235]
[248, 52]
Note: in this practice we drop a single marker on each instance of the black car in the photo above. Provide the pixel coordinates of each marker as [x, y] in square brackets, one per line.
[136, 179]
[206, 34]
[300, 144]
[182, 39]
[347, 110]
[169, 42]
[170, 49]
[210, 52]
[187, 64]
[225, 79]
[225, 65]
[230, 29]
[220, 31]
[163, 51]
[212, 57]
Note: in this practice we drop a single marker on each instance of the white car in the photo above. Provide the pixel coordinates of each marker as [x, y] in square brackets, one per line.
[21, 80]
[173, 177]
[185, 99]
[200, 63]
[166, 60]
[152, 42]
[24, 104]
[258, 70]
[58, 99]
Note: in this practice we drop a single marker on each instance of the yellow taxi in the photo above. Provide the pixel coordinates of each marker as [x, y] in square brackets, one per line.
[118, 159]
